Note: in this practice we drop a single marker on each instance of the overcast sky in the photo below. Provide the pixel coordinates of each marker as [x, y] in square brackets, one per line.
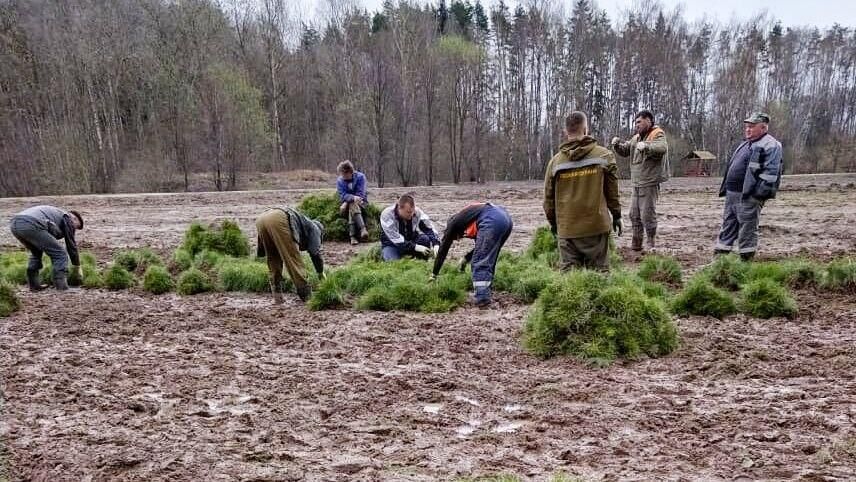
[821, 13]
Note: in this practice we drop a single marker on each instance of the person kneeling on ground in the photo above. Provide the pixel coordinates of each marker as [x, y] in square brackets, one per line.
[283, 233]
[406, 231]
[38, 229]
[581, 197]
[351, 187]
[489, 226]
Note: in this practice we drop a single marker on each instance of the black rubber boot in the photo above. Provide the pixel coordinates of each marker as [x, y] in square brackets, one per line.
[747, 256]
[60, 283]
[33, 280]
[304, 292]
[638, 235]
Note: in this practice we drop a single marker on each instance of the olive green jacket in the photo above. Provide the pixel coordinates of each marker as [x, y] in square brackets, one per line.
[581, 189]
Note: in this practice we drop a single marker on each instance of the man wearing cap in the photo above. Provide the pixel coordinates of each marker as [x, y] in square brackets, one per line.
[283, 233]
[752, 177]
[39, 228]
[649, 167]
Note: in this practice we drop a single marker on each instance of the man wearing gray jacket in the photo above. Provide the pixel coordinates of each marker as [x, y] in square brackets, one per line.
[752, 177]
[39, 228]
[649, 167]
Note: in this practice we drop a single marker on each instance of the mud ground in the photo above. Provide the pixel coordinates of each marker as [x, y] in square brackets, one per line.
[125, 386]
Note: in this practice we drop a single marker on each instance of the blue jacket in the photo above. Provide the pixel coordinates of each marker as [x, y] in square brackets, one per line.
[763, 171]
[355, 188]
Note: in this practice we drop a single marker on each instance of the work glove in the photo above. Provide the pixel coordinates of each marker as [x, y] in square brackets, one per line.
[435, 249]
[641, 146]
[74, 278]
[343, 207]
[614, 142]
[617, 226]
[423, 250]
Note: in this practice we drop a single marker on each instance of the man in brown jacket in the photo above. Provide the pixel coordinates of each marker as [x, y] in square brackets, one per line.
[649, 166]
[581, 197]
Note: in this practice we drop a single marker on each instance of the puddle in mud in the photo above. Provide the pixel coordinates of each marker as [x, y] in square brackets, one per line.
[465, 431]
[508, 427]
[472, 402]
[432, 408]
[241, 303]
[232, 405]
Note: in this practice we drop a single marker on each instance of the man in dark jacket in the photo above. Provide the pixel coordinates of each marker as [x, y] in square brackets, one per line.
[490, 227]
[283, 233]
[752, 177]
[351, 187]
[38, 229]
[406, 231]
[581, 197]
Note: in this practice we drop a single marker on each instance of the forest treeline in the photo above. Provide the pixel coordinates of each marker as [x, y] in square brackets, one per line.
[142, 95]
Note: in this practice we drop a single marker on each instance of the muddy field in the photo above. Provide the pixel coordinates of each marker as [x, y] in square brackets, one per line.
[106, 386]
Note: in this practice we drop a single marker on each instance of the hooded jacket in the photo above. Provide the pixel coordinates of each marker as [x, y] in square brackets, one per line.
[581, 189]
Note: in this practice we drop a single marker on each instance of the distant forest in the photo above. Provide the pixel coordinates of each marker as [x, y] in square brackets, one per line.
[100, 96]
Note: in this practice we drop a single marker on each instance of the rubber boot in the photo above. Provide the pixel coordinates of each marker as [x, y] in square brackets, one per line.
[276, 290]
[638, 234]
[650, 241]
[304, 292]
[721, 252]
[33, 280]
[359, 227]
[747, 256]
[60, 283]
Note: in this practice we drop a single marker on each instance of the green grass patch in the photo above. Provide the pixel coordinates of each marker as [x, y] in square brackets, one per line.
[524, 276]
[157, 280]
[194, 281]
[246, 275]
[840, 275]
[116, 277]
[225, 238]
[325, 208]
[137, 260]
[387, 286]
[9, 302]
[598, 318]
[727, 271]
[764, 298]
[661, 269]
[13, 267]
[701, 298]
[91, 277]
[181, 260]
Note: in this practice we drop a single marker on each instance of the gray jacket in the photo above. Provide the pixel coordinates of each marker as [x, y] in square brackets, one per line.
[764, 169]
[56, 222]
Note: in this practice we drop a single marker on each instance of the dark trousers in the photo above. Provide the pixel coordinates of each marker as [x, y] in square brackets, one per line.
[740, 219]
[587, 252]
[36, 238]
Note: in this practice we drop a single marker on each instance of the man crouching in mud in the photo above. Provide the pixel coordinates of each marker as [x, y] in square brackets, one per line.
[283, 233]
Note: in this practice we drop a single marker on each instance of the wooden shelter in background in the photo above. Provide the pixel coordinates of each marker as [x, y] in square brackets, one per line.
[700, 163]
